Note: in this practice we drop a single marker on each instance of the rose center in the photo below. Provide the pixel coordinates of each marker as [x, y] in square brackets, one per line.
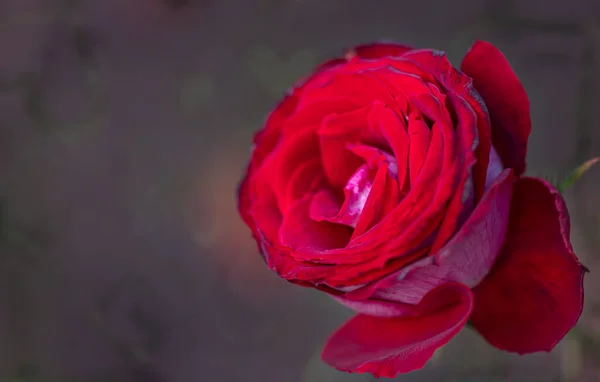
[346, 207]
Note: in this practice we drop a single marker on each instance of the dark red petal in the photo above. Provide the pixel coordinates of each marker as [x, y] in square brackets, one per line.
[378, 50]
[386, 347]
[506, 101]
[534, 294]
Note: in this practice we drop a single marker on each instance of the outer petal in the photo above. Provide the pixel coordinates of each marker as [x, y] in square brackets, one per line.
[378, 50]
[387, 347]
[264, 142]
[506, 100]
[534, 294]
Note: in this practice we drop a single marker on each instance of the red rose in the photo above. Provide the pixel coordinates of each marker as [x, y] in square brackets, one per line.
[394, 182]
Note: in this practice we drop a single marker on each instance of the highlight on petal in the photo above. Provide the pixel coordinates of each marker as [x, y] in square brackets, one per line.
[386, 347]
[506, 100]
[534, 294]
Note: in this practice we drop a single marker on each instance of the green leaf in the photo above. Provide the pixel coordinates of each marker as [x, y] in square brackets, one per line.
[576, 174]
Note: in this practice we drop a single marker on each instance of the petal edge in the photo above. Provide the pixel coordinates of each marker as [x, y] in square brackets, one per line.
[534, 294]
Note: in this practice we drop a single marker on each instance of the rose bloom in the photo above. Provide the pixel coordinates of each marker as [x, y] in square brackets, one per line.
[394, 183]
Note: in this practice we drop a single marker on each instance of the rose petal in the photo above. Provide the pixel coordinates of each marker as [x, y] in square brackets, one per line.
[326, 207]
[534, 294]
[495, 168]
[368, 246]
[264, 210]
[374, 157]
[290, 154]
[299, 232]
[462, 202]
[265, 141]
[307, 177]
[506, 101]
[336, 132]
[451, 79]
[466, 259]
[394, 131]
[382, 198]
[420, 138]
[377, 50]
[314, 112]
[387, 347]
[347, 83]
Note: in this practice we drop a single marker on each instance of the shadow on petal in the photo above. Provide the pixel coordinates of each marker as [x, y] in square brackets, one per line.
[534, 293]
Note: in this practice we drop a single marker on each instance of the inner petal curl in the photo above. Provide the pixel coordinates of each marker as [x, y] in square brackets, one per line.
[326, 207]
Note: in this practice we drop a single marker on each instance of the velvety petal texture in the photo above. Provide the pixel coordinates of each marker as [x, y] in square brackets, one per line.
[386, 347]
[506, 101]
[392, 181]
[534, 294]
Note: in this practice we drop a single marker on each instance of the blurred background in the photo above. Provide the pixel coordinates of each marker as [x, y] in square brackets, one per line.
[124, 128]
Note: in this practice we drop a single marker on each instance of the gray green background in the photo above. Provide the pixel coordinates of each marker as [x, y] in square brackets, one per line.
[124, 127]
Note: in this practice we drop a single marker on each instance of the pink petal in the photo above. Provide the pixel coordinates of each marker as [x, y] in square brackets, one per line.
[382, 198]
[386, 347]
[495, 168]
[534, 294]
[326, 207]
[506, 101]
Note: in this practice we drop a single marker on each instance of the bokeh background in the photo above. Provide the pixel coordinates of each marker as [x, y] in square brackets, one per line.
[124, 128]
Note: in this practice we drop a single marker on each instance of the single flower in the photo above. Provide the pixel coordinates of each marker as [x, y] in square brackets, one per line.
[394, 182]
